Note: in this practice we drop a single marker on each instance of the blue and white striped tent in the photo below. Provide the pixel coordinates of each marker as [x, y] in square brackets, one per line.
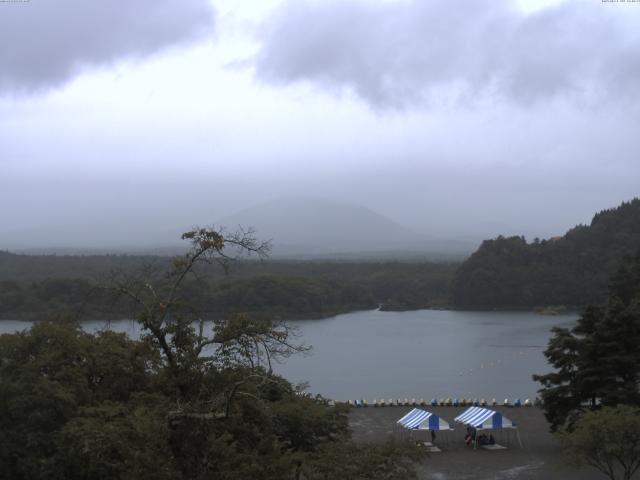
[418, 419]
[484, 419]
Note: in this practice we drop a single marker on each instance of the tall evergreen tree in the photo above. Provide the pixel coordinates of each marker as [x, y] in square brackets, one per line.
[597, 361]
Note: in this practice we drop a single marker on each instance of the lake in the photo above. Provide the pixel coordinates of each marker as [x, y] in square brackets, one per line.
[421, 354]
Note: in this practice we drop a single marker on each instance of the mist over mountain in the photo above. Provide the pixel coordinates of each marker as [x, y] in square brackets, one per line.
[299, 226]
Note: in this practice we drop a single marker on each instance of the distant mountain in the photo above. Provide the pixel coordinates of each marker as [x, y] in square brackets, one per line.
[570, 270]
[311, 227]
[299, 227]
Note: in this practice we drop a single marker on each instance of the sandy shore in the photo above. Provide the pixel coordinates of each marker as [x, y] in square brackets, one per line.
[538, 459]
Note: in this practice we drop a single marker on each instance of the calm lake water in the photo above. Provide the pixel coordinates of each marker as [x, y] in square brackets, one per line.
[421, 354]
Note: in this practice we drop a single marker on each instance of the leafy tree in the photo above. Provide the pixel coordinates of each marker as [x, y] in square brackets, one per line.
[181, 403]
[48, 375]
[125, 440]
[608, 440]
[597, 361]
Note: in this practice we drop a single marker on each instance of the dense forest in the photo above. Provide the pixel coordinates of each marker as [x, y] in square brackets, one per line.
[33, 286]
[572, 270]
[179, 403]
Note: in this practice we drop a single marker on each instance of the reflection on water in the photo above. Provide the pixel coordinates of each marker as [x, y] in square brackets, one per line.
[421, 354]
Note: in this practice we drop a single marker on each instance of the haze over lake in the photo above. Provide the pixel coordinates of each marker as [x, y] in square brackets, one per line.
[421, 353]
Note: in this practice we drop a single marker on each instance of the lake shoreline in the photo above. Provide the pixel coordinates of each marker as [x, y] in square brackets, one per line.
[547, 311]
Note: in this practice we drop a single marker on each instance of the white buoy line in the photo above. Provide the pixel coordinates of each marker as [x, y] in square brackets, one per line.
[443, 402]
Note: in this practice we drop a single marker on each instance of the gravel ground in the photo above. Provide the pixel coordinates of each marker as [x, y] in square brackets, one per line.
[538, 459]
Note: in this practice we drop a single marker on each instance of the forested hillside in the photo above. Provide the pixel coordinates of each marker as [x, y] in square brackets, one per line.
[571, 270]
[32, 287]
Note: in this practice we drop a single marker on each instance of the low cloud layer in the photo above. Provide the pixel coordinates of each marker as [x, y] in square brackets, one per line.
[44, 43]
[463, 119]
[399, 54]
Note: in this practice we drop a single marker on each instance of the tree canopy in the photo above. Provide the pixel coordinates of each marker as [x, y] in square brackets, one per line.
[572, 270]
[32, 287]
[180, 403]
[597, 362]
[608, 440]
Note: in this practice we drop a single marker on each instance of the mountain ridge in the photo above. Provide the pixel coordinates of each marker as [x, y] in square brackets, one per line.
[304, 225]
[573, 269]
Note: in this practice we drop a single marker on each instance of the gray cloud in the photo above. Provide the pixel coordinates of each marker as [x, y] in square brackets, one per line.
[44, 43]
[415, 52]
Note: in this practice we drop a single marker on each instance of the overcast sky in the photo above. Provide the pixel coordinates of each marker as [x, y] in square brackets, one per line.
[467, 117]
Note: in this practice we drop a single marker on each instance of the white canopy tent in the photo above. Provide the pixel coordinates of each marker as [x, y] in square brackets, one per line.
[485, 419]
[420, 420]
